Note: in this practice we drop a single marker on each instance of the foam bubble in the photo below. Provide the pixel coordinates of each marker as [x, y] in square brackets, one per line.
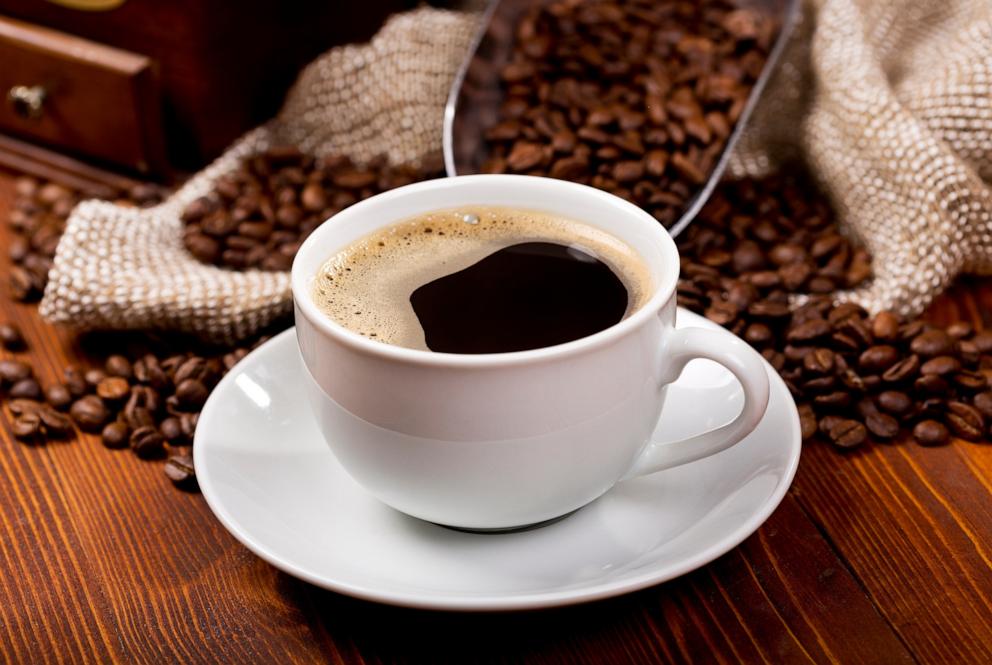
[366, 287]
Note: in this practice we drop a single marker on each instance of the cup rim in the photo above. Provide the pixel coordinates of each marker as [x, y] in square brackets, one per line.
[664, 290]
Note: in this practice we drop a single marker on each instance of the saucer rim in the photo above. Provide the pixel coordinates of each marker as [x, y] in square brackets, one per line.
[490, 602]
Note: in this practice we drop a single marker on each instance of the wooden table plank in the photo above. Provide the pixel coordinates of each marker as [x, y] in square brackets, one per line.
[781, 597]
[914, 524]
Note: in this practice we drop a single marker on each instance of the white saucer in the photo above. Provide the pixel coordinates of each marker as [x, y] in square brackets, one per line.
[272, 481]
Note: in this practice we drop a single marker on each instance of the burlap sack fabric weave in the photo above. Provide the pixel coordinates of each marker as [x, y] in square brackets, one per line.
[889, 102]
[124, 268]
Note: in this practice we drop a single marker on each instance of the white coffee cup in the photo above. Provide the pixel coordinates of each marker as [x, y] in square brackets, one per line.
[496, 441]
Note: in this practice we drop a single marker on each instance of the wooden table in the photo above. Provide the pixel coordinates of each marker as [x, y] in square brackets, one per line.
[880, 555]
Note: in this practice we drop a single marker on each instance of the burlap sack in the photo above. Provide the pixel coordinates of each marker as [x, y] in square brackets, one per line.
[888, 101]
[123, 268]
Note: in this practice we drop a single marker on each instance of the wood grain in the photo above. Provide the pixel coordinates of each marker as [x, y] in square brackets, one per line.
[877, 557]
[101, 102]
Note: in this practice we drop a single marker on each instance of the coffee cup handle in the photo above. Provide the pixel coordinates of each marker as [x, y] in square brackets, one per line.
[683, 345]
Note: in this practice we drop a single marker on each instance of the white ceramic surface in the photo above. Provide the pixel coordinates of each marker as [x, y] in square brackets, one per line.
[493, 441]
[272, 481]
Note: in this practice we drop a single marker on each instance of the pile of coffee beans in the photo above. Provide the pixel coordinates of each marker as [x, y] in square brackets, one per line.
[148, 404]
[636, 97]
[38, 219]
[755, 248]
[258, 215]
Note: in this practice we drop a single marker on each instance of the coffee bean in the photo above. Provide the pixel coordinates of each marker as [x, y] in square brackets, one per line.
[23, 286]
[965, 420]
[602, 98]
[807, 421]
[932, 343]
[820, 361]
[847, 433]
[866, 407]
[191, 394]
[968, 352]
[203, 247]
[171, 429]
[25, 389]
[931, 385]
[818, 385]
[11, 337]
[959, 330]
[808, 331]
[983, 402]
[940, 366]
[234, 357]
[140, 407]
[931, 407]
[94, 377]
[89, 412]
[116, 435]
[119, 366]
[774, 358]
[757, 334]
[58, 396]
[969, 381]
[904, 370]
[257, 215]
[148, 370]
[748, 257]
[833, 400]
[765, 309]
[75, 383]
[857, 330]
[27, 426]
[113, 389]
[895, 402]
[195, 368]
[187, 423]
[56, 425]
[843, 313]
[179, 469]
[931, 433]
[885, 326]
[882, 425]
[147, 442]
[878, 358]
[983, 341]
[12, 371]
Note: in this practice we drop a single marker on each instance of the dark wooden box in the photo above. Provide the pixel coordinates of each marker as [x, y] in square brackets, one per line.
[181, 78]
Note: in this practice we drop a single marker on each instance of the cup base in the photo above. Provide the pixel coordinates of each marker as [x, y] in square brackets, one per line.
[511, 529]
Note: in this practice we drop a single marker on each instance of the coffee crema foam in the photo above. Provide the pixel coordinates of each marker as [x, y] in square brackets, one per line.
[366, 287]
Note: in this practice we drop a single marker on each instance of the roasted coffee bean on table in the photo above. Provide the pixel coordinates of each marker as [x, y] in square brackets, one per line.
[146, 402]
[636, 97]
[257, 216]
[11, 337]
[749, 263]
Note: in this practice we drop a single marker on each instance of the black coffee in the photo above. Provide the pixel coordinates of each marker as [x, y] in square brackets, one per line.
[482, 280]
[525, 296]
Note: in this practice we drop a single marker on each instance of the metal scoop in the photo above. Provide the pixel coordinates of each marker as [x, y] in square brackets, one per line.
[474, 101]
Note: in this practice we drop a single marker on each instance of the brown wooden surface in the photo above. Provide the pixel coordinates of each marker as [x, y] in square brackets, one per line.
[878, 556]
